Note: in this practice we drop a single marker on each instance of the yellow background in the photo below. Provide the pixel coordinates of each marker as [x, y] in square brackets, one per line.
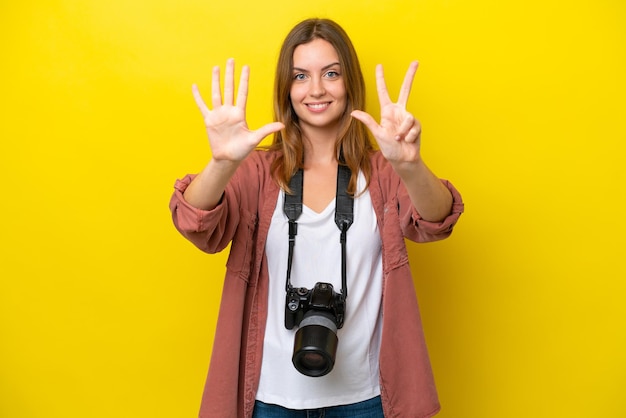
[105, 311]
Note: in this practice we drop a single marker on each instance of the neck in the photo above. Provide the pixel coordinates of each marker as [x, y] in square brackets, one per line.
[319, 153]
[319, 144]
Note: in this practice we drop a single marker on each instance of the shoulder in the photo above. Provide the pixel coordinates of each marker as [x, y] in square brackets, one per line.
[255, 172]
[262, 157]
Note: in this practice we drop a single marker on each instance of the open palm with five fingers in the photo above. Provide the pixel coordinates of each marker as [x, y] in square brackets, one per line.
[229, 136]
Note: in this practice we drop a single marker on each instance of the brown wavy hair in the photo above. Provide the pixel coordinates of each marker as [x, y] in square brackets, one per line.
[353, 145]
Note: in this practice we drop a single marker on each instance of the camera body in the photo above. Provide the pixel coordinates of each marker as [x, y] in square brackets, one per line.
[318, 312]
[322, 297]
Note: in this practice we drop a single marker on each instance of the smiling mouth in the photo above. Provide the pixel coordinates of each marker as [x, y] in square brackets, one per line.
[318, 106]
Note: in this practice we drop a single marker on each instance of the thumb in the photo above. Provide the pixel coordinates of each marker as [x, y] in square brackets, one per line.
[366, 118]
[268, 129]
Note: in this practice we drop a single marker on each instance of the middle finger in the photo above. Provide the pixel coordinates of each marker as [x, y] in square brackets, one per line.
[216, 91]
[229, 82]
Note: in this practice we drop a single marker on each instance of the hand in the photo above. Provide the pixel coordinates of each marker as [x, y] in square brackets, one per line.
[229, 136]
[399, 134]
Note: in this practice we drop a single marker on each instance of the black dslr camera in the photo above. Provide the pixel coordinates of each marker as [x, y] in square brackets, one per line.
[318, 312]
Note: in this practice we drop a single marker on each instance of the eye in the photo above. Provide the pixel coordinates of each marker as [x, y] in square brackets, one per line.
[332, 74]
[299, 76]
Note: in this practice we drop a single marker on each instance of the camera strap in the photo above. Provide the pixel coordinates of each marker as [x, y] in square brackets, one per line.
[344, 216]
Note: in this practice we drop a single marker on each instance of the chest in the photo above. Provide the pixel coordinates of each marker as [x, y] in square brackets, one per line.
[319, 188]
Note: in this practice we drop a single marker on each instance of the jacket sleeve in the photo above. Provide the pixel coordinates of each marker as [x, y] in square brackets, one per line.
[211, 231]
[419, 230]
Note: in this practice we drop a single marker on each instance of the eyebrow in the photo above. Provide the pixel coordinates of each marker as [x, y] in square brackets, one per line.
[326, 67]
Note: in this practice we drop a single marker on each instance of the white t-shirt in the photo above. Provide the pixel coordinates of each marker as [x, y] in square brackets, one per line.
[317, 258]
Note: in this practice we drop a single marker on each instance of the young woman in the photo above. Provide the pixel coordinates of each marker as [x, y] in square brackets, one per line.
[260, 366]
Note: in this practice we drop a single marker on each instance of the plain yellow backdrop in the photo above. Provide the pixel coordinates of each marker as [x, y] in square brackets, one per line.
[105, 311]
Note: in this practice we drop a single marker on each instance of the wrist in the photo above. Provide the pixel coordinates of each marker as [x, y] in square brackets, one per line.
[220, 166]
[408, 169]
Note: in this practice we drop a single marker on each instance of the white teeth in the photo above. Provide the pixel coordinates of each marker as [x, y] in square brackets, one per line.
[318, 106]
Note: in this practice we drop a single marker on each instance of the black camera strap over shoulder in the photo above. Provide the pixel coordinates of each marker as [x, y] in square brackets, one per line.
[344, 216]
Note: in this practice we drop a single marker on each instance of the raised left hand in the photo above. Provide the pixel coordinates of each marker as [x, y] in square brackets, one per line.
[399, 134]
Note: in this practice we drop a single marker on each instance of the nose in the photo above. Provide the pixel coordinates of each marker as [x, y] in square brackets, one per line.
[317, 87]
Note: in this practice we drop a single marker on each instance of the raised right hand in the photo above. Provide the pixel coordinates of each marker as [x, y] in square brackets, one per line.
[229, 136]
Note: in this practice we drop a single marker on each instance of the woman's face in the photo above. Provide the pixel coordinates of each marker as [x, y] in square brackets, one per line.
[318, 93]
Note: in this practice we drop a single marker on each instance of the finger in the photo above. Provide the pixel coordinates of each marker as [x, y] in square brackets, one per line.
[268, 129]
[199, 101]
[407, 124]
[413, 135]
[216, 91]
[242, 93]
[366, 119]
[229, 82]
[405, 90]
[381, 87]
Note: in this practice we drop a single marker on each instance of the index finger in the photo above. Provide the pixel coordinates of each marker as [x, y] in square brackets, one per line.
[242, 93]
[381, 86]
[405, 90]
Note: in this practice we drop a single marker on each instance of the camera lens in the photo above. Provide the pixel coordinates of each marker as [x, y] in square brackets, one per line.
[313, 360]
[315, 344]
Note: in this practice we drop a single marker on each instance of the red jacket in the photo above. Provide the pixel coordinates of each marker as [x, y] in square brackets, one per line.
[243, 218]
